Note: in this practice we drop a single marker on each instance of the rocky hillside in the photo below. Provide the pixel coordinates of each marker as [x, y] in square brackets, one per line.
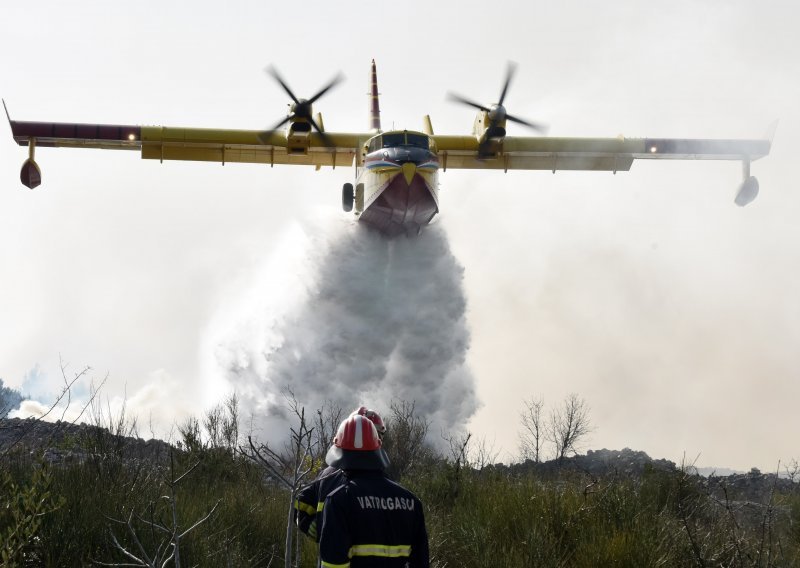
[753, 487]
[64, 442]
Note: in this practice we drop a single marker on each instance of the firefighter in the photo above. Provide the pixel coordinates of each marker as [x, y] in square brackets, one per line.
[311, 498]
[369, 520]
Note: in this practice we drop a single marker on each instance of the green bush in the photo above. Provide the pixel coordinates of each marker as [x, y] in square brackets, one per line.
[24, 506]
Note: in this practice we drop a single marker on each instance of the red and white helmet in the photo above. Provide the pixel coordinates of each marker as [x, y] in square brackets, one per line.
[374, 417]
[357, 445]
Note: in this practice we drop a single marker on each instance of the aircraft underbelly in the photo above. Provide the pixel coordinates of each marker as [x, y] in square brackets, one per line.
[401, 207]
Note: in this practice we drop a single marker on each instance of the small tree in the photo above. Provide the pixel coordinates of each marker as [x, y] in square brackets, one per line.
[568, 425]
[162, 519]
[482, 453]
[533, 430]
[405, 438]
[191, 438]
[230, 424]
[459, 449]
[109, 438]
[325, 425]
[221, 425]
[290, 467]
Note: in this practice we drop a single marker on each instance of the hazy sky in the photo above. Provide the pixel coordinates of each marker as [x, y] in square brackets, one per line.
[674, 313]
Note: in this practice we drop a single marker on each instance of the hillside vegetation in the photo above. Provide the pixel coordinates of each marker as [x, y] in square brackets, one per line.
[77, 495]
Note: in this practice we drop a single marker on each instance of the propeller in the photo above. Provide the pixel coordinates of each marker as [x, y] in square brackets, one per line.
[302, 108]
[497, 112]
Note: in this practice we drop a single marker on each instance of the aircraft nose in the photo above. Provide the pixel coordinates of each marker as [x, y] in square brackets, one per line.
[409, 169]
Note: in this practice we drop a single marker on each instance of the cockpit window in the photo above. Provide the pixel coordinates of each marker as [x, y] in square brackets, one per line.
[399, 139]
[392, 140]
[417, 140]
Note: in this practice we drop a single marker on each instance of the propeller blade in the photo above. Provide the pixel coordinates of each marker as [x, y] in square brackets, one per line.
[281, 123]
[301, 109]
[497, 114]
[326, 140]
[265, 137]
[335, 81]
[512, 67]
[535, 126]
[275, 75]
[462, 100]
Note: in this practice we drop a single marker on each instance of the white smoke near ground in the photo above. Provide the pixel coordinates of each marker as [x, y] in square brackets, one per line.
[368, 320]
[153, 409]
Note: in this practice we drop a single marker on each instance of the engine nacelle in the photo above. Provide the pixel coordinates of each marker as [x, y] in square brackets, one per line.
[484, 127]
[490, 135]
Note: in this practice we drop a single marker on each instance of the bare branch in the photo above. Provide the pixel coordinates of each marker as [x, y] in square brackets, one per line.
[184, 474]
[153, 524]
[269, 462]
[201, 521]
[126, 553]
[136, 540]
[65, 392]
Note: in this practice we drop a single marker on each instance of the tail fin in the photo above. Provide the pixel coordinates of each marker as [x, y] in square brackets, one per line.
[374, 106]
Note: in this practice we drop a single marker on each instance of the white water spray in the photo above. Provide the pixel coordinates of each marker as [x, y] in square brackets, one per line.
[380, 320]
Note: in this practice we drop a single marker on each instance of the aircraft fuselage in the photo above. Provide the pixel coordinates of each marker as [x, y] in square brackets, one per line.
[397, 188]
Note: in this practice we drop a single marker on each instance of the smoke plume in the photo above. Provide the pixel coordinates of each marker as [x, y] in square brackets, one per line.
[379, 320]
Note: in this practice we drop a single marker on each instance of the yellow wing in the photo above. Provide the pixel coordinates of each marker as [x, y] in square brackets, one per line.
[599, 154]
[343, 149]
[270, 147]
[198, 144]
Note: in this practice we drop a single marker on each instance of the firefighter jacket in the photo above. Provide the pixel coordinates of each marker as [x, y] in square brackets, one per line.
[310, 500]
[371, 521]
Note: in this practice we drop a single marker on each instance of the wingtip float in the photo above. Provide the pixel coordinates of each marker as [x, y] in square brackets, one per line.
[396, 187]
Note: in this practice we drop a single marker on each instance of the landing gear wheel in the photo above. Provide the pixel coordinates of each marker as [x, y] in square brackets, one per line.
[347, 197]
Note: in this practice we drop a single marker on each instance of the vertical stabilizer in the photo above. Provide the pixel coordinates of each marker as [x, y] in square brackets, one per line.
[374, 105]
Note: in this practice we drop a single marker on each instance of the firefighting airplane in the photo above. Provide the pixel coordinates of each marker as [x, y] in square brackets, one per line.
[396, 188]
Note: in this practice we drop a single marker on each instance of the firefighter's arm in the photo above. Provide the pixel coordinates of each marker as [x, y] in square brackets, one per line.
[305, 509]
[335, 540]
